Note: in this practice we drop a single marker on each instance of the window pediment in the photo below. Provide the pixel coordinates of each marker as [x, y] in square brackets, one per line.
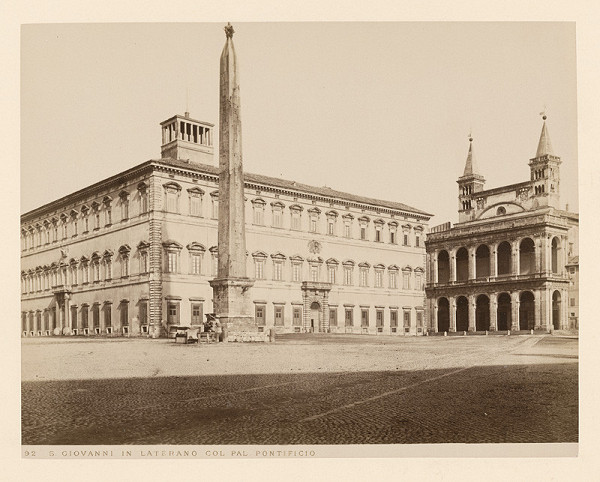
[124, 195]
[124, 250]
[364, 219]
[393, 267]
[379, 222]
[296, 258]
[379, 266]
[393, 224]
[278, 255]
[332, 262]
[277, 204]
[406, 227]
[143, 245]
[170, 244]
[348, 262]
[331, 214]
[296, 207]
[172, 187]
[259, 254]
[407, 268]
[107, 200]
[214, 194]
[314, 210]
[108, 253]
[364, 264]
[419, 269]
[258, 201]
[196, 247]
[214, 249]
[195, 191]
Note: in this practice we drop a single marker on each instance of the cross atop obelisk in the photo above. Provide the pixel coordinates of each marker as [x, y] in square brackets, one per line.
[230, 289]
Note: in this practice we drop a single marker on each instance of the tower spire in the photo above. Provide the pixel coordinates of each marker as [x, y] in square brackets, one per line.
[471, 167]
[544, 146]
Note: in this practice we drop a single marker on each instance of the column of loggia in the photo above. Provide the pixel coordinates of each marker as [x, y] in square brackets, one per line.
[493, 311]
[471, 261]
[435, 316]
[494, 260]
[452, 262]
[472, 312]
[515, 257]
[538, 310]
[452, 314]
[515, 310]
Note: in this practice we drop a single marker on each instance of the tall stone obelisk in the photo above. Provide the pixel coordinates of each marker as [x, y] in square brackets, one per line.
[231, 286]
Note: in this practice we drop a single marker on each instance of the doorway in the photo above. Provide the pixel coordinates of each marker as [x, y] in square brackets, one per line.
[315, 317]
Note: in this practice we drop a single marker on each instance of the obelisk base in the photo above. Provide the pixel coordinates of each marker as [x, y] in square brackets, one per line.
[234, 311]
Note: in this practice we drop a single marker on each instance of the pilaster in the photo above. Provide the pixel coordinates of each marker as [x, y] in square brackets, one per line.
[472, 306]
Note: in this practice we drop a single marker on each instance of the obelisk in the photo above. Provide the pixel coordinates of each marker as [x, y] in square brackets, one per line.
[231, 300]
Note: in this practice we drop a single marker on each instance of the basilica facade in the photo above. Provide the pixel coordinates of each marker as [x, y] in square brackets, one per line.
[134, 254]
[510, 262]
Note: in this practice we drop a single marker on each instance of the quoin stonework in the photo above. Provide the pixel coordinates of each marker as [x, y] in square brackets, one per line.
[136, 254]
[511, 262]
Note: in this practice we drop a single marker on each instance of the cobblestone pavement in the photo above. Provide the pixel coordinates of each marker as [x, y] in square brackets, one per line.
[301, 390]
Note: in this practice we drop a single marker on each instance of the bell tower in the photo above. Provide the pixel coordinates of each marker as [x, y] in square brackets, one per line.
[545, 171]
[469, 184]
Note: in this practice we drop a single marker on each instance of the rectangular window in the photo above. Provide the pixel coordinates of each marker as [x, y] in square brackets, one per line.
[260, 315]
[405, 241]
[259, 269]
[108, 316]
[363, 232]
[97, 221]
[215, 208]
[417, 241]
[296, 271]
[313, 225]
[124, 314]
[143, 312]
[419, 319]
[172, 262]
[143, 262]
[195, 206]
[418, 281]
[124, 209]
[347, 232]
[364, 318]
[84, 316]
[407, 319]
[173, 313]
[405, 281]
[96, 268]
[393, 318]
[196, 263]
[278, 315]
[379, 318]
[330, 227]
[378, 235]
[197, 314]
[215, 264]
[378, 278]
[572, 302]
[125, 266]
[297, 319]
[393, 279]
[277, 217]
[393, 237]
[364, 275]
[296, 220]
[108, 216]
[348, 275]
[143, 202]
[108, 269]
[259, 215]
[86, 225]
[278, 270]
[332, 317]
[64, 231]
[331, 274]
[314, 273]
[171, 202]
[348, 317]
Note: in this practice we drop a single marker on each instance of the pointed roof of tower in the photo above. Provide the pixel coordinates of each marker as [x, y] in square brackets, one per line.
[471, 167]
[544, 146]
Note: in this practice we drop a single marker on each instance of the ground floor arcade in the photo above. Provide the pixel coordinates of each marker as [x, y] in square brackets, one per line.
[500, 310]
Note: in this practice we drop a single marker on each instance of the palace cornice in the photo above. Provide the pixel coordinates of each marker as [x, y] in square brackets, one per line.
[95, 190]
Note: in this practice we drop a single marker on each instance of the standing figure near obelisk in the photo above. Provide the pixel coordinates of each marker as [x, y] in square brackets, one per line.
[231, 287]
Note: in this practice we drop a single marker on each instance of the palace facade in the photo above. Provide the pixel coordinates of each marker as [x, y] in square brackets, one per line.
[511, 261]
[134, 254]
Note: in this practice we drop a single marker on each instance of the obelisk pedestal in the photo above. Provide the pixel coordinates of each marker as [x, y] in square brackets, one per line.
[231, 300]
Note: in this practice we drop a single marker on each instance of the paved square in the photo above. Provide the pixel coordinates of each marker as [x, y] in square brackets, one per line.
[303, 389]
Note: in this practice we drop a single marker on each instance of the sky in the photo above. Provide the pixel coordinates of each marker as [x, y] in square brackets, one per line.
[380, 109]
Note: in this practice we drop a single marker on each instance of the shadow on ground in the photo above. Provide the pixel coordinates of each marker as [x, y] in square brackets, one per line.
[481, 404]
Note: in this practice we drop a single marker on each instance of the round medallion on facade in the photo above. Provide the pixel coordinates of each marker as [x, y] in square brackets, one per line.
[314, 247]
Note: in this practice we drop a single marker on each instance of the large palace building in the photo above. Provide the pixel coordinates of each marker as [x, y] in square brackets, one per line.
[134, 254]
[511, 261]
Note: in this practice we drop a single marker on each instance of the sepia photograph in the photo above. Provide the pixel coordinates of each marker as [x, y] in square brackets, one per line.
[294, 237]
